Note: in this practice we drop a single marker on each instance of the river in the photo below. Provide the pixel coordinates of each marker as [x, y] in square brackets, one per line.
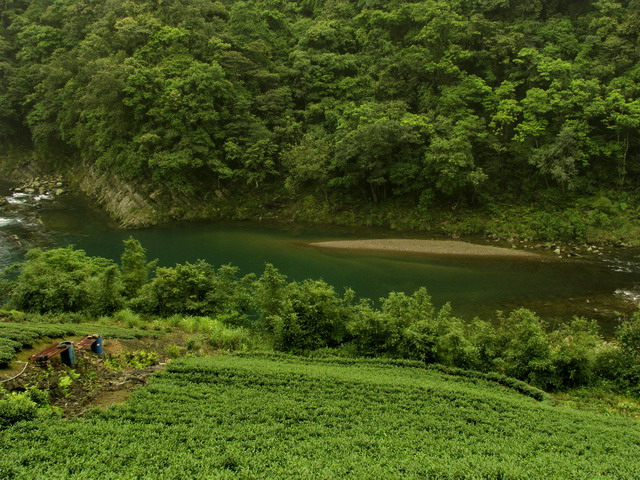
[596, 287]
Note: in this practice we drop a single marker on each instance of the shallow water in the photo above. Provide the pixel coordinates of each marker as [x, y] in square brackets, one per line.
[475, 286]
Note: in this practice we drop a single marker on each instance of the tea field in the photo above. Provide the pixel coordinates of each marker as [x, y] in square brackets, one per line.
[282, 417]
[16, 335]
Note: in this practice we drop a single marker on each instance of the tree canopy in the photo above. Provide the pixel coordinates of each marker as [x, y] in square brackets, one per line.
[422, 100]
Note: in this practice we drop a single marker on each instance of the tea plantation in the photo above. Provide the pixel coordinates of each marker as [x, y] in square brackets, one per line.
[282, 417]
[16, 335]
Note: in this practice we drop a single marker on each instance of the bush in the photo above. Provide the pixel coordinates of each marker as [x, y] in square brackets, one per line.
[128, 318]
[628, 336]
[195, 289]
[441, 339]
[225, 338]
[138, 359]
[66, 280]
[16, 406]
[621, 363]
[134, 266]
[409, 326]
[522, 349]
[574, 351]
[310, 316]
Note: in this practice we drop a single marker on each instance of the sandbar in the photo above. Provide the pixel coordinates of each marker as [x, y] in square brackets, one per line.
[429, 247]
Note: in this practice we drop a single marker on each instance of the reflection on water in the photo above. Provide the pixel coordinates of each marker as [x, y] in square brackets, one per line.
[475, 286]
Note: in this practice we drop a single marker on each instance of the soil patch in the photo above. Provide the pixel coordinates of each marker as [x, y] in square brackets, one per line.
[112, 391]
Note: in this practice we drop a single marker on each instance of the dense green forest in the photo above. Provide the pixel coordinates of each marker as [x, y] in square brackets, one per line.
[422, 103]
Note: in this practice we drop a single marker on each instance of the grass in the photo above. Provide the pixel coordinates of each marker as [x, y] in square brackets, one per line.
[281, 417]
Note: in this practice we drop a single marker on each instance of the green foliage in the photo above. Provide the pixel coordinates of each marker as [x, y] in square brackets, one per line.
[134, 267]
[411, 327]
[310, 316]
[629, 336]
[16, 406]
[225, 338]
[230, 312]
[360, 419]
[138, 359]
[522, 347]
[270, 291]
[66, 381]
[453, 103]
[195, 289]
[66, 280]
[624, 362]
[574, 352]
[127, 318]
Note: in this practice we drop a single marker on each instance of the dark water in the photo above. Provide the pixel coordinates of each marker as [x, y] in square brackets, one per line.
[473, 286]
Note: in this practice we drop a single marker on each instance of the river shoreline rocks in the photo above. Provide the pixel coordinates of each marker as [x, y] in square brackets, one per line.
[44, 185]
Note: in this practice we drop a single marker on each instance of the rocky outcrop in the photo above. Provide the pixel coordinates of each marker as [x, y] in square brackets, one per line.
[43, 184]
[128, 204]
[132, 204]
[21, 166]
[140, 204]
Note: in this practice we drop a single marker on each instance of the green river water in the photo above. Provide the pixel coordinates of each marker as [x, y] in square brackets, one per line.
[556, 289]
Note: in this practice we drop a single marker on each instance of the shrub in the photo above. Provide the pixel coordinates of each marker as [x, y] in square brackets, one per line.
[138, 359]
[386, 331]
[270, 292]
[440, 338]
[128, 318]
[628, 336]
[622, 364]
[574, 351]
[16, 406]
[522, 348]
[66, 280]
[311, 316]
[135, 269]
[409, 326]
[195, 289]
[226, 338]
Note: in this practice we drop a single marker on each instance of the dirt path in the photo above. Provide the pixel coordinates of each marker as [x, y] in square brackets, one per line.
[429, 247]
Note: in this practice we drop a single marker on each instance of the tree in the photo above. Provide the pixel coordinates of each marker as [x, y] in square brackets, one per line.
[134, 266]
[449, 159]
[66, 280]
[311, 316]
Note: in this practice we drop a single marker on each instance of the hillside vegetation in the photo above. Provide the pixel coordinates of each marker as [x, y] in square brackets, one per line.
[287, 417]
[309, 316]
[369, 105]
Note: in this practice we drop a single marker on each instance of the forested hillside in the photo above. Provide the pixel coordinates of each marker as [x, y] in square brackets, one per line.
[433, 103]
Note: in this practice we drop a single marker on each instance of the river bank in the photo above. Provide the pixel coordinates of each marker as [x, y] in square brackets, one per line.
[581, 227]
[429, 247]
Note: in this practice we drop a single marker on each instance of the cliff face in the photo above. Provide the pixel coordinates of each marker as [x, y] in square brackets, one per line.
[128, 204]
[18, 166]
[132, 204]
[141, 204]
